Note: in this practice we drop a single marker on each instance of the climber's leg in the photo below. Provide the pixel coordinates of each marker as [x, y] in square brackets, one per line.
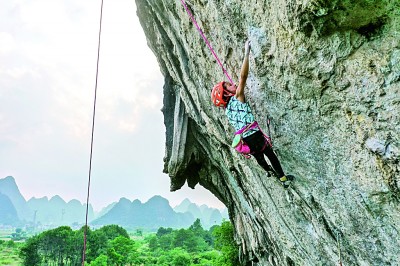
[262, 162]
[274, 161]
[259, 147]
[285, 179]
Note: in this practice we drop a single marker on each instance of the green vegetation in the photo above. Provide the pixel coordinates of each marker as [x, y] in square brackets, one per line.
[225, 244]
[112, 245]
[9, 253]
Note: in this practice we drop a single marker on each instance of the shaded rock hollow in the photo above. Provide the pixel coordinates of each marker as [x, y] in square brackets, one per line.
[328, 75]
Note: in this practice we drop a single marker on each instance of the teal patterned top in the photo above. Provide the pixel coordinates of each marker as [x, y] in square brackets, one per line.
[240, 115]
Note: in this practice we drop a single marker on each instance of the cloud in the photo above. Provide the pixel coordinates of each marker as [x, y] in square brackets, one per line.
[7, 43]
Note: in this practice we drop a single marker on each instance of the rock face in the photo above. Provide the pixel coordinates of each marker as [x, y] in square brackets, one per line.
[328, 75]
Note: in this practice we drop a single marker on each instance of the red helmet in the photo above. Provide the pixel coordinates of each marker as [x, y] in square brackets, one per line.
[220, 96]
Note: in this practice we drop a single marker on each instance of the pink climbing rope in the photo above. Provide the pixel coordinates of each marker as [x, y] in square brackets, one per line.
[206, 41]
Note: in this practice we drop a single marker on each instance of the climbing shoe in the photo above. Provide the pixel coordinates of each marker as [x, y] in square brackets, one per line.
[269, 171]
[285, 180]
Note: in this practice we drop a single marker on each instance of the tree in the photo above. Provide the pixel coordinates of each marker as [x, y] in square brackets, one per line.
[121, 251]
[165, 242]
[58, 246]
[99, 261]
[225, 242]
[190, 239]
[207, 258]
[96, 244]
[197, 228]
[153, 243]
[112, 231]
[179, 239]
[97, 240]
[139, 232]
[76, 247]
[180, 257]
[29, 252]
[63, 246]
[163, 231]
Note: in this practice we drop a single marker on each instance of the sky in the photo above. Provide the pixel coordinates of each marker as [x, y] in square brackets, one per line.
[48, 53]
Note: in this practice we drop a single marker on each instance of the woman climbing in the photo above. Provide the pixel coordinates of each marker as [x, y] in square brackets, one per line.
[240, 116]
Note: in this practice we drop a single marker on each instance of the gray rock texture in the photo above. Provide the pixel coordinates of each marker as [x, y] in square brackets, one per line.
[328, 75]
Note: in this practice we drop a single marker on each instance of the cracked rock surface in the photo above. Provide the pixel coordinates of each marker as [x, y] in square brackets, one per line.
[327, 73]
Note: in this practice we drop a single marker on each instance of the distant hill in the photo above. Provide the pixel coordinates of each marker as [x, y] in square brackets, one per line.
[9, 188]
[8, 213]
[208, 216]
[155, 213]
[105, 209]
[58, 212]
[183, 206]
[47, 213]
[42, 211]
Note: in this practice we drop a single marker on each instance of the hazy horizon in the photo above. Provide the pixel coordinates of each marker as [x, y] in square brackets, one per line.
[49, 197]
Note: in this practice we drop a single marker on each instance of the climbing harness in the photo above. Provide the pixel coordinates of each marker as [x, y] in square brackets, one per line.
[241, 146]
[206, 40]
[91, 142]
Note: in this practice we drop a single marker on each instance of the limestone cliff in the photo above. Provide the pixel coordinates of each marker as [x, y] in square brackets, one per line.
[328, 74]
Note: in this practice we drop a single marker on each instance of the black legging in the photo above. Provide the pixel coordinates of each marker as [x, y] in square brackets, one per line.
[257, 142]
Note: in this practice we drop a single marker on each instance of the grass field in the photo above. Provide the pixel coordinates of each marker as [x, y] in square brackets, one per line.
[9, 249]
[9, 254]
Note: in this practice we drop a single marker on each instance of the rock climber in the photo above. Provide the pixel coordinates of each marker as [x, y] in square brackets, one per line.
[240, 116]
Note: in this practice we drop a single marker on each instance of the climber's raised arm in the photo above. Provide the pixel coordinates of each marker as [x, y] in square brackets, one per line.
[243, 73]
